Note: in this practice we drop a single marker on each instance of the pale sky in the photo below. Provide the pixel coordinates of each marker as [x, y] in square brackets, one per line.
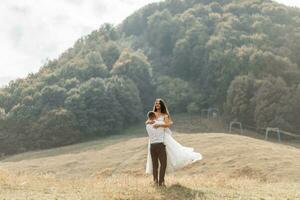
[32, 31]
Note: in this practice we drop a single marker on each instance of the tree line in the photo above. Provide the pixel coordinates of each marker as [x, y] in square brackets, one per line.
[238, 56]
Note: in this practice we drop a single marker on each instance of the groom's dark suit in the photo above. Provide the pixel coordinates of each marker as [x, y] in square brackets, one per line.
[158, 152]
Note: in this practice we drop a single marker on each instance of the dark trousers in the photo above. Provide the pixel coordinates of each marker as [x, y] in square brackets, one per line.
[158, 152]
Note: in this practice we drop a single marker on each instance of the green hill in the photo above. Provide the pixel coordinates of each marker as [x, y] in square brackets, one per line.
[238, 56]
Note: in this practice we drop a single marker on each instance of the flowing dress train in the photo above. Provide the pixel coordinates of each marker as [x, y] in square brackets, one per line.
[178, 156]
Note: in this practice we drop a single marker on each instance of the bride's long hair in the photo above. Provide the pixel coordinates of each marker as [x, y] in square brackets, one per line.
[163, 107]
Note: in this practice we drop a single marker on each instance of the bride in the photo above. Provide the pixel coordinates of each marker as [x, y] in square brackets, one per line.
[178, 156]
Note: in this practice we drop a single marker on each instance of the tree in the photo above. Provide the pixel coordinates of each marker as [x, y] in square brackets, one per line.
[55, 128]
[50, 79]
[268, 63]
[94, 66]
[98, 110]
[5, 102]
[71, 70]
[190, 54]
[128, 96]
[176, 92]
[136, 24]
[135, 66]
[293, 107]
[240, 103]
[271, 99]
[53, 96]
[110, 54]
[109, 32]
[23, 114]
[71, 83]
[161, 32]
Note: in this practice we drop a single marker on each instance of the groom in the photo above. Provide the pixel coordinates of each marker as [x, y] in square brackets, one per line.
[157, 150]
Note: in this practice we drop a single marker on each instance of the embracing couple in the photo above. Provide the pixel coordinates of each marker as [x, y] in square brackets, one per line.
[163, 149]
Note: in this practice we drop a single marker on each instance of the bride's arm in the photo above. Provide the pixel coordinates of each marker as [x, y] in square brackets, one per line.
[149, 122]
[167, 123]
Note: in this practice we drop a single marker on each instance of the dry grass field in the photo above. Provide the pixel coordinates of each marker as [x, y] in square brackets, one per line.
[233, 167]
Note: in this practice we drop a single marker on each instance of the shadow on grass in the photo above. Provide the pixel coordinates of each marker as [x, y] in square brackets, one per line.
[179, 192]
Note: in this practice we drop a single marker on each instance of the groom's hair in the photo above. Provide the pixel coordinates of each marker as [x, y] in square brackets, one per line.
[151, 114]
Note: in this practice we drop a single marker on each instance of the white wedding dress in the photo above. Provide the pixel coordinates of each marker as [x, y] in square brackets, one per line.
[178, 156]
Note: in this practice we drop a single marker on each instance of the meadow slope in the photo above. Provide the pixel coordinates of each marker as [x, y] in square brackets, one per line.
[234, 167]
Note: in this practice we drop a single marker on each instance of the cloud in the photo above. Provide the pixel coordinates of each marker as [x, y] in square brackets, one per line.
[290, 2]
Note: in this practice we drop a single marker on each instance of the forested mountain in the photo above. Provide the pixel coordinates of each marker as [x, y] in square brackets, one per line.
[241, 56]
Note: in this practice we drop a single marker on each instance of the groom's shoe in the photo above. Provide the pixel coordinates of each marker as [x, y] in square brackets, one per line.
[163, 185]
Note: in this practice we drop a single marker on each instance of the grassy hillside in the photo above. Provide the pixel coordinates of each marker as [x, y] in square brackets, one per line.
[234, 167]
